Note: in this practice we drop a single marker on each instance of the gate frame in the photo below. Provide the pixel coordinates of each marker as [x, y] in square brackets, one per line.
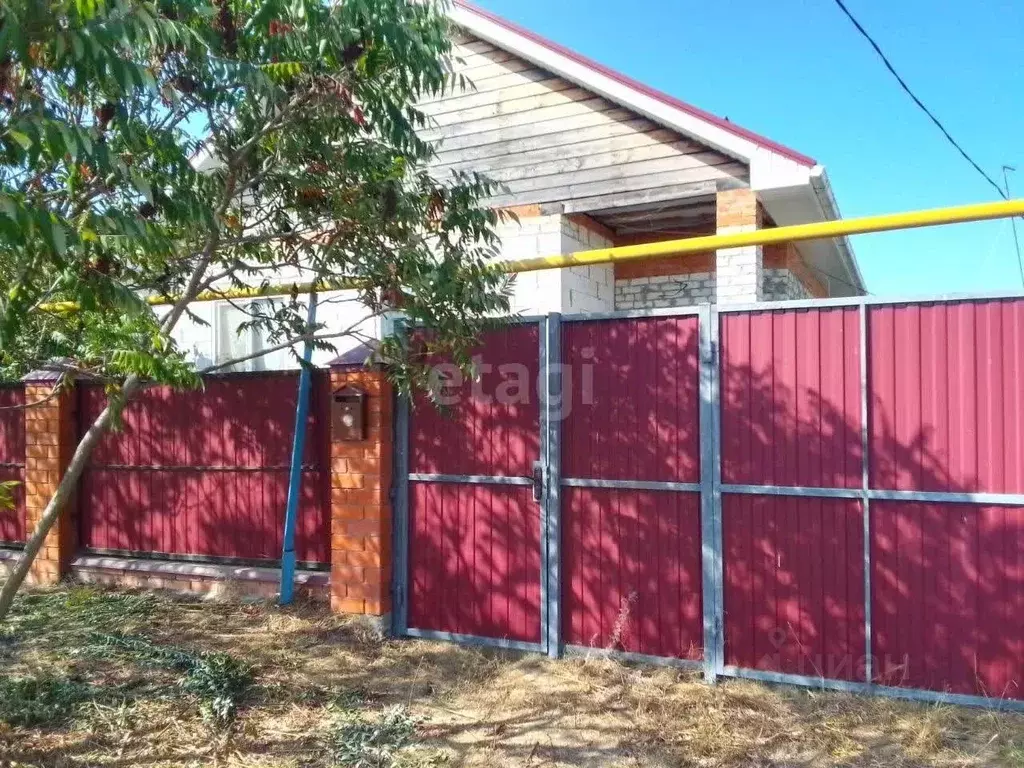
[703, 487]
[400, 586]
[711, 489]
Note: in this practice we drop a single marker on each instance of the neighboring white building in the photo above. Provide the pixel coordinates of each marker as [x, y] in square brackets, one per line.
[592, 159]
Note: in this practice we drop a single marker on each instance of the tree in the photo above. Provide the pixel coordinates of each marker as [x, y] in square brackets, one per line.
[175, 148]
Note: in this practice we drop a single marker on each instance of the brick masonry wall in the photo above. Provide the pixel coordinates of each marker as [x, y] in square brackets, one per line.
[699, 288]
[665, 291]
[586, 289]
[361, 503]
[533, 293]
[782, 285]
[573, 290]
[739, 271]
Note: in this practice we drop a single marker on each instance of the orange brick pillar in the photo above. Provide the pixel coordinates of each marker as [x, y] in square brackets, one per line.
[49, 443]
[360, 500]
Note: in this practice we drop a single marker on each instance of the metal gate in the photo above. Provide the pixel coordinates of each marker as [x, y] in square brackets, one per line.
[473, 500]
[631, 468]
[826, 493]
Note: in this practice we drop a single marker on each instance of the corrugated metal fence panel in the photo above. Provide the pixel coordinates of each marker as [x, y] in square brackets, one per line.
[490, 426]
[632, 412]
[475, 549]
[947, 396]
[948, 597]
[474, 563]
[205, 472]
[632, 571]
[631, 560]
[794, 585]
[790, 393]
[12, 460]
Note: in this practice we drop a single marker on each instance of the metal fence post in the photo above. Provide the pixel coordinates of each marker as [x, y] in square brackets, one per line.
[551, 378]
[400, 509]
[710, 497]
[865, 487]
[291, 513]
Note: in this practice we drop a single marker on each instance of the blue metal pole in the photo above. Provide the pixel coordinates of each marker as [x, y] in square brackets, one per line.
[295, 471]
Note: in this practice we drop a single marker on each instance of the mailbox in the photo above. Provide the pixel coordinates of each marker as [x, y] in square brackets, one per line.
[348, 414]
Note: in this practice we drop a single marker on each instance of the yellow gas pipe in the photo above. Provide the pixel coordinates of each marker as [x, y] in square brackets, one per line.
[886, 222]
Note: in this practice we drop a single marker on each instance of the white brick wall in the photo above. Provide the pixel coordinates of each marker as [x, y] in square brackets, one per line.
[534, 293]
[738, 270]
[586, 289]
[739, 273]
[700, 288]
[782, 285]
[665, 291]
[574, 290]
[216, 340]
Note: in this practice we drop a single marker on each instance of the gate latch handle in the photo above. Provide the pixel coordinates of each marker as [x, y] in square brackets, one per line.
[538, 481]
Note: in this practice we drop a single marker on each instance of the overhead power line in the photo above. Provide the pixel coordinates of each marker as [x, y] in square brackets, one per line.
[911, 94]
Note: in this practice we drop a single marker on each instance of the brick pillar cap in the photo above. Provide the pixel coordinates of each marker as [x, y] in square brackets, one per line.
[50, 372]
[42, 376]
[363, 356]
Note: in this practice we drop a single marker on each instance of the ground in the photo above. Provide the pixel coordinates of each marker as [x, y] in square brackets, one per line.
[103, 678]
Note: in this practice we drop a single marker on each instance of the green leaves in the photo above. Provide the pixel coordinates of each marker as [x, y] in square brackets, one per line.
[218, 680]
[170, 147]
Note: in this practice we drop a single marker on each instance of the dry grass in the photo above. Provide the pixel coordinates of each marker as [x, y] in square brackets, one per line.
[475, 708]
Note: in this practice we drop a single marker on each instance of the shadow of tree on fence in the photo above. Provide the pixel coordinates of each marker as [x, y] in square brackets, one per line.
[945, 576]
[205, 472]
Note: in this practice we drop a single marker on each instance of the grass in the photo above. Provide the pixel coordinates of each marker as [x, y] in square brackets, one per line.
[218, 680]
[41, 700]
[94, 678]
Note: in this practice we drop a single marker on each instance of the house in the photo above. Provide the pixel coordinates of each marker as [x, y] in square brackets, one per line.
[591, 159]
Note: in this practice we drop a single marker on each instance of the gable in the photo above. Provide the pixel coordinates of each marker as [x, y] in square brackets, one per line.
[550, 141]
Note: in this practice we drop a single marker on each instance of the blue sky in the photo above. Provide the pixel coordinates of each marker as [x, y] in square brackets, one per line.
[798, 72]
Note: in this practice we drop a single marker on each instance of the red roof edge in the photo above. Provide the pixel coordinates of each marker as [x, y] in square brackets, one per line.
[646, 90]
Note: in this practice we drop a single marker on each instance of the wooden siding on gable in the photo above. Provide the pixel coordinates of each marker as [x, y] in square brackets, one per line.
[550, 141]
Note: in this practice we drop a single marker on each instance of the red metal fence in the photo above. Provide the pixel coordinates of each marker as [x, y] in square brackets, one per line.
[631, 557]
[824, 493]
[790, 386]
[12, 461]
[947, 415]
[475, 557]
[943, 392]
[204, 473]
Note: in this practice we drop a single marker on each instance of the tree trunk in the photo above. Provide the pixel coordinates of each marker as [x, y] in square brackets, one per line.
[65, 488]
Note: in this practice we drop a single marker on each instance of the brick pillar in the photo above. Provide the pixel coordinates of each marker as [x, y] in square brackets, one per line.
[360, 501]
[738, 271]
[49, 443]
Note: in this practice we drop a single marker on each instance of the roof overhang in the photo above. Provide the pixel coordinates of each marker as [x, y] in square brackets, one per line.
[812, 201]
[792, 186]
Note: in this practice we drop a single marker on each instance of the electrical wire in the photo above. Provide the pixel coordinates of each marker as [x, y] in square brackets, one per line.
[912, 95]
[1013, 222]
[830, 276]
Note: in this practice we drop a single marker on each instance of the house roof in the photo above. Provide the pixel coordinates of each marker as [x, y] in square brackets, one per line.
[792, 186]
[641, 88]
